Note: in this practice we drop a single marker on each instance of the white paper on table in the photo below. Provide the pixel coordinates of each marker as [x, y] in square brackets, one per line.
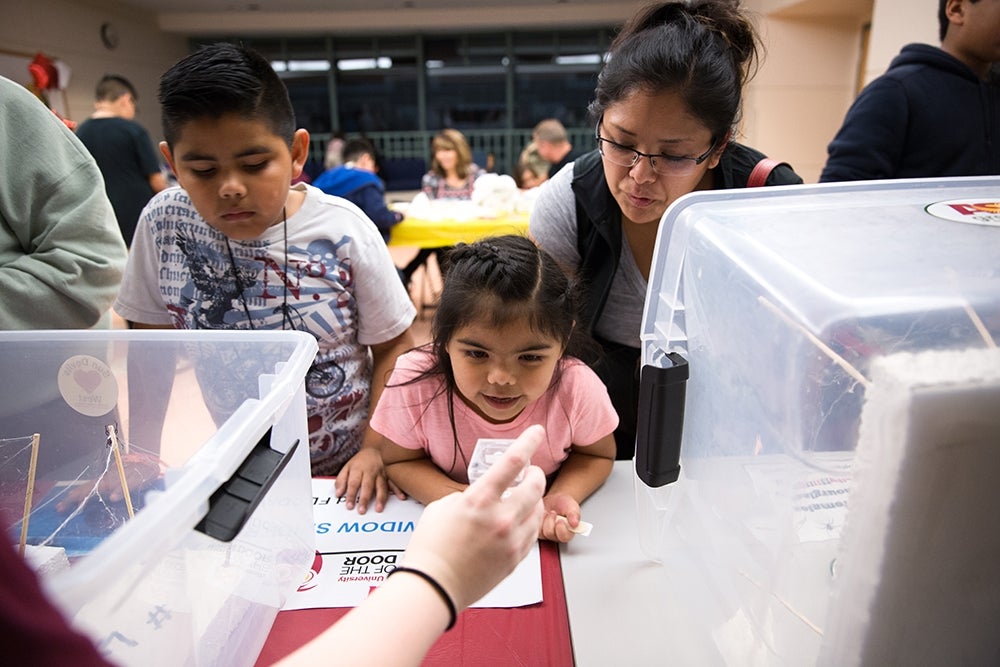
[358, 551]
[819, 490]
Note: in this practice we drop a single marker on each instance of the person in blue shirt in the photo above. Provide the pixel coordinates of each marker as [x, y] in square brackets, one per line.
[356, 181]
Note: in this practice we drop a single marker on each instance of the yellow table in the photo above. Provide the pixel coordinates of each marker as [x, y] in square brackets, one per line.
[420, 233]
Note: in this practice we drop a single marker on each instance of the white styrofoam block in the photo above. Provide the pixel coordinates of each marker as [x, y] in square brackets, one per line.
[917, 581]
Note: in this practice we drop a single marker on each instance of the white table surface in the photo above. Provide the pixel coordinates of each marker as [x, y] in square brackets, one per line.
[622, 609]
[626, 609]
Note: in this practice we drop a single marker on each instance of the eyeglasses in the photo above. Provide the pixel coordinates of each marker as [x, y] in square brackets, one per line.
[665, 165]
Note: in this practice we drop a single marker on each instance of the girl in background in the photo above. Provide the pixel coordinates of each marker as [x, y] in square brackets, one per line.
[452, 172]
[532, 169]
[502, 358]
[452, 176]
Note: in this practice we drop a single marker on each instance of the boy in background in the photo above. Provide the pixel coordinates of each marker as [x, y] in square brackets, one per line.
[356, 181]
[123, 151]
[237, 247]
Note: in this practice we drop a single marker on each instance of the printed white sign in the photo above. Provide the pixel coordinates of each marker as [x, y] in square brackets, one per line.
[355, 552]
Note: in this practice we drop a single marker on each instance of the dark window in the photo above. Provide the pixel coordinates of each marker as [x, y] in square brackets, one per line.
[466, 82]
[401, 89]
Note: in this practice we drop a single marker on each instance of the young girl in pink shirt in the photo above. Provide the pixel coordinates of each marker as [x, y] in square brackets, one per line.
[502, 358]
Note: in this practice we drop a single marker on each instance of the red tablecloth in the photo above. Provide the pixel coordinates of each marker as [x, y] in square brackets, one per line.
[533, 635]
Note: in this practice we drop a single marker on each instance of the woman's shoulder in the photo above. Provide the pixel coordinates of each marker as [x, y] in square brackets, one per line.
[552, 222]
[739, 160]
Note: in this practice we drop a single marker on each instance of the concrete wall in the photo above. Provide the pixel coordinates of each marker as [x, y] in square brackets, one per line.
[896, 23]
[797, 101]
[817, 59]
[70, 31]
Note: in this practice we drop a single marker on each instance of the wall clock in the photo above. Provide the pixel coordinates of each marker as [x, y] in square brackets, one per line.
[109, 36]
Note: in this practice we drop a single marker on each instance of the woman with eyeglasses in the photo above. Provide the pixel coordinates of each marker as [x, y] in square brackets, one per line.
[666, 105]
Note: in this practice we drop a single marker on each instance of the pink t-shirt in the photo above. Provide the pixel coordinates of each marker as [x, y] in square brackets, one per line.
[574, 411]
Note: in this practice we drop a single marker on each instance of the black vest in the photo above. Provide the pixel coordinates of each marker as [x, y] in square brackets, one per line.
[599, 219]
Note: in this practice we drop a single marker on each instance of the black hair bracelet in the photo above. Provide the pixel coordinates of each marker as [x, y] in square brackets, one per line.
[436, 586]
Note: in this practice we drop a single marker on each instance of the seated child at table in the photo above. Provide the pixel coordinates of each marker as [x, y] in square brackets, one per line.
[452, 176]
[500, 360]
[238, 247]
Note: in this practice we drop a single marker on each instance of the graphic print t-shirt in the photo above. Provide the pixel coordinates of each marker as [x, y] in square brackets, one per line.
[339, 284]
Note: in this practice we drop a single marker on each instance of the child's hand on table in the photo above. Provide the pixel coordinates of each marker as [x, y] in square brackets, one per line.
[362, 477]
[562, 516]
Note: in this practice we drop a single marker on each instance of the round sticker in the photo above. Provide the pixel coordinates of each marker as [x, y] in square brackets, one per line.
[88, 385]
[972, 212]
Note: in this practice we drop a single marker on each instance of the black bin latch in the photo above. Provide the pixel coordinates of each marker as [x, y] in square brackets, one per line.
[660, 421]
[231, 505]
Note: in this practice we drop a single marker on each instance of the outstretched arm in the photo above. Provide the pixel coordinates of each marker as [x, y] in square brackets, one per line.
[467, 543]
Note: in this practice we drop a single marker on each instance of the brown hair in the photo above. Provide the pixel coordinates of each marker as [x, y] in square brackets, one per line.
[705, 50]
[449, 139]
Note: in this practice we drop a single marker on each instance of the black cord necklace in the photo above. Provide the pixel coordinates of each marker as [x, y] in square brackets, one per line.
[323, 379]
[286, 315]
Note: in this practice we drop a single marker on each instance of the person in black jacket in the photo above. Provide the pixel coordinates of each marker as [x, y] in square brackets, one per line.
[935, 112]
[666, 104]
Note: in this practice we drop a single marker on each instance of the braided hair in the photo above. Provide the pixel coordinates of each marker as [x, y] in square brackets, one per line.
[502, 280]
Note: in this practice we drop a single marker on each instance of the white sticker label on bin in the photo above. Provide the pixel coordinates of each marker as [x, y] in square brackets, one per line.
[972, 212]
[88, 386]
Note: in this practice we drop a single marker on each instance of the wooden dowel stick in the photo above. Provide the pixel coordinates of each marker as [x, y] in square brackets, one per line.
[29, 493]
[970, 312]
[113, 441]
[786, 604]
[980, 327]
[824, 348]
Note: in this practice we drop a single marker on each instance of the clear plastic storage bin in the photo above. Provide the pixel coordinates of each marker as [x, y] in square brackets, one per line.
[778, 300]
[207, 432]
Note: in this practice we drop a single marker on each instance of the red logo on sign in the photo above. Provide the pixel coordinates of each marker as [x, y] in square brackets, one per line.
[971, 209]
